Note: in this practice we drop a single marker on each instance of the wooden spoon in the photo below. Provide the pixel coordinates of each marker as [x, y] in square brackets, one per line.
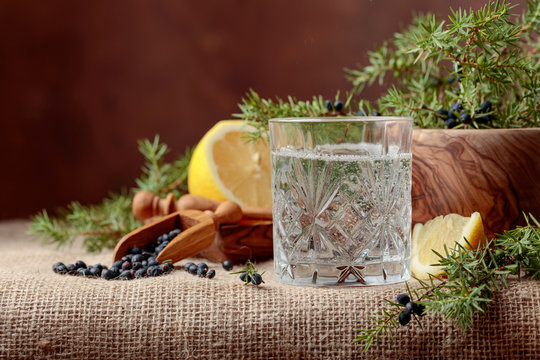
[198, 232]
[146, 205]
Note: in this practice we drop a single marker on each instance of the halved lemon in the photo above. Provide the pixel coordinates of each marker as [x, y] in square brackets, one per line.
[225, 166]
[440, 231]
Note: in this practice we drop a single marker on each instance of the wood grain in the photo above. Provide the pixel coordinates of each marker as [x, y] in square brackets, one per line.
[247, 240]
[494, 172]
[197, 234]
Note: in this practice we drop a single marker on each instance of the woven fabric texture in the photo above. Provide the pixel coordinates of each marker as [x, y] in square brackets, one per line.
[178, 316]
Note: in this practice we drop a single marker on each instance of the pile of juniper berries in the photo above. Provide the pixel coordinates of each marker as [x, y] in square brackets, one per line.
[137, 263]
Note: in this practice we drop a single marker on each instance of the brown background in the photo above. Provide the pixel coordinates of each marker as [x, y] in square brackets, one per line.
[81, 82]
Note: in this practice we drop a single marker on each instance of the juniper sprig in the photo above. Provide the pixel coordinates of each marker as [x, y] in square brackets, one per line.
[469, 281]
[476, 57]
[102, 225]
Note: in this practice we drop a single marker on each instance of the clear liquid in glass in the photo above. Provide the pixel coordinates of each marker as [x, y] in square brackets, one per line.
[342, 215]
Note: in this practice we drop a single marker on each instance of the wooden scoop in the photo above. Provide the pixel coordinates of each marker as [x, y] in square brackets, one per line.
[146, 205]
[198, 232]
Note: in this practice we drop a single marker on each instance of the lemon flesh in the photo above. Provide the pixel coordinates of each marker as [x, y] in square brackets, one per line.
[438, 232]
[225, 166]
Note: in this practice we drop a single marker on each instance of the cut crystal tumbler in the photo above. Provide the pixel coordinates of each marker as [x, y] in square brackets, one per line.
[341, 192]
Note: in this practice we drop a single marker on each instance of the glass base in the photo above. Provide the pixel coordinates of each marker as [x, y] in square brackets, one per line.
[332, 275]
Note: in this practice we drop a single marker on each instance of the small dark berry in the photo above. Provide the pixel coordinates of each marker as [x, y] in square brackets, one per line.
[211, 274]
[409, 306]
[256, 279]
[126, 275]
[201, 271]
[188, 265]
[465, 118]
[245, 277]
[443, 113]
[80, 264]
[193, 269]
[154, 271]
[159, 249]
[172, 234]
[486, 106]
[117, 264]
[124, 259]
[455, 107]
[450, 123]
[61, 269]
[140, 273]
[202, 265]
[144, 263]
[418, 309]
[328, 105]
[451, 80]
[136, 266]
[152, 262]
[96, 271]
[126, 265]
[338, 105]
[57, 266]
[137, 258]
[167, 267]
[227, 265]
[404, 318]
[109, 274]
[403, 299]
[72, 269]
[375, 113]
[84, 272]
[361, 113]
[135, 251]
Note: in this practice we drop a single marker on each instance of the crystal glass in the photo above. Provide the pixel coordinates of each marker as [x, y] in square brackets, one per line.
[341, 191]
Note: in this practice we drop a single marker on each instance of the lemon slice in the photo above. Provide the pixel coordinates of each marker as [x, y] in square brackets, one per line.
[224, 166]
[440, 231]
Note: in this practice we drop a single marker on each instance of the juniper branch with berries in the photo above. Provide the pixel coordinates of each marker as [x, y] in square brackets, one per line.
[468, 285]
[250, 275]
[478, 70]
[102, 225]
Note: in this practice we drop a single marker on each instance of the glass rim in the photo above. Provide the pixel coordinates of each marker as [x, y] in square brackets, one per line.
[330, 119]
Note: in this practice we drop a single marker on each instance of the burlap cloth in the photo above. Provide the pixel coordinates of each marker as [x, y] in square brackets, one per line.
[44, 315]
